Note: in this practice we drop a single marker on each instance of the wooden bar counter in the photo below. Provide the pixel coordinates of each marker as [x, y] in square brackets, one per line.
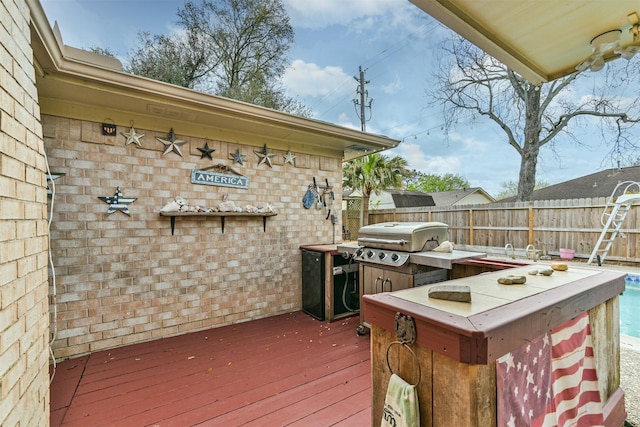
[457, 344]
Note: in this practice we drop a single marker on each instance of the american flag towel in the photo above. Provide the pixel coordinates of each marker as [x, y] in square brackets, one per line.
[551, 381]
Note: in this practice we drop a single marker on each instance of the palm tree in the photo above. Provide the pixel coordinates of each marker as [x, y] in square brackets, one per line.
[373, 174]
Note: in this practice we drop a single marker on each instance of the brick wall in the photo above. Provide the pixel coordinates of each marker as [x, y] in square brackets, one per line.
[24, 320]
[125, 279]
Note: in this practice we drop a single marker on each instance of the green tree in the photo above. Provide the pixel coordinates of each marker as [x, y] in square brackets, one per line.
[473, 84]
[180, 59]
[232, 48]
[102, 51]
[430, 183]
[373, 174]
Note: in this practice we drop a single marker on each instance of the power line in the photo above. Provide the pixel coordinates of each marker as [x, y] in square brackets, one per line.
[374, 60]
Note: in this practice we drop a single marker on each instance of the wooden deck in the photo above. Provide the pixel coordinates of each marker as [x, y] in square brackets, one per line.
[288, 370]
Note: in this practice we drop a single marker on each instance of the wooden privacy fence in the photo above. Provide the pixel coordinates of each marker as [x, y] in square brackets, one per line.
[548, 225]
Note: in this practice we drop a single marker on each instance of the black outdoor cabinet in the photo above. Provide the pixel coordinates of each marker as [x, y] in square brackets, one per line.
[323, 289]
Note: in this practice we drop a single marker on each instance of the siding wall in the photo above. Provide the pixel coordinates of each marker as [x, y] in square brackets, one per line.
[24, 320]
[124, 279]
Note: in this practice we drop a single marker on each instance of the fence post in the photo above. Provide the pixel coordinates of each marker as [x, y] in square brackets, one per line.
[531, 222]
[471, 227]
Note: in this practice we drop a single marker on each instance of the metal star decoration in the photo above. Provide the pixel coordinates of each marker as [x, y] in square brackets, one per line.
[264, 156]
[289, 158]
[132, 137]
[117, 202]
[237, 157]
[206, 151]
[171, 143]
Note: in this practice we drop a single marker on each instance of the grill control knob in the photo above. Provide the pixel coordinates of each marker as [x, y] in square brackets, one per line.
[370, 253]
[382, 255]
[395, 257]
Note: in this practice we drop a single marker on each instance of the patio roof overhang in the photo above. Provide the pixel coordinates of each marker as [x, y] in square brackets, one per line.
[540, 39]
[85, 86]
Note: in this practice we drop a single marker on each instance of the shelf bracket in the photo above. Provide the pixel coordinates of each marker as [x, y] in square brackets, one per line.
[173, 224]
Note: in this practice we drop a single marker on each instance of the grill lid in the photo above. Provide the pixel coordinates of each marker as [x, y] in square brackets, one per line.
[403, 236]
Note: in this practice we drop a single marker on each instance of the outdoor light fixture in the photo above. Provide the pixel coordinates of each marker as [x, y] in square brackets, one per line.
[109, 129]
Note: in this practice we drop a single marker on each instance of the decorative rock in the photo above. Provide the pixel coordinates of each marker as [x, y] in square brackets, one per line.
[547, 272]
[512, 280]
[177, 205]
[445, 246]
[458, 293]
[533, 272]
[228, 206]
[559, 266]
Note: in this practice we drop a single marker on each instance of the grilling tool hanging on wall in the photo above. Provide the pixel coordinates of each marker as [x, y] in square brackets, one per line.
[328, 197]
[312, 196]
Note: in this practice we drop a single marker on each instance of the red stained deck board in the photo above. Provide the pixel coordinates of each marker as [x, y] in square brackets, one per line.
[289, 393]
[261, 367]
[322, 409]
[169, 387]
[204, 393]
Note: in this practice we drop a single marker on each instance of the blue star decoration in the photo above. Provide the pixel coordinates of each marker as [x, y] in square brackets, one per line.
[206, 151]
[264, 156]
[171, 143]
[117, 202]
[237, 157]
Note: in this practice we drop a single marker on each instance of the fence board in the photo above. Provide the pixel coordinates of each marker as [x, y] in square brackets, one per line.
[549, 225]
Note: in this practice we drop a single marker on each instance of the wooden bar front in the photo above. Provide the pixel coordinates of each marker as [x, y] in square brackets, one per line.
[457, 344]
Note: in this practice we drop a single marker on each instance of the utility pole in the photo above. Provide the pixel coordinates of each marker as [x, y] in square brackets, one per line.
[364, 101]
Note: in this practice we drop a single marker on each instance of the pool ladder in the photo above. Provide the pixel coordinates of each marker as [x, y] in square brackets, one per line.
[624, 195]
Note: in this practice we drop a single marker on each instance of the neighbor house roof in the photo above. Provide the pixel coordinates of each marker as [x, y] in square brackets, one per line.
[464, 196]
[391, 199]
[411, 199]
[599, 184]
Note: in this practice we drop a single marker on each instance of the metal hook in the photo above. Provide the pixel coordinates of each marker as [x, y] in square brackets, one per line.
[415, 357]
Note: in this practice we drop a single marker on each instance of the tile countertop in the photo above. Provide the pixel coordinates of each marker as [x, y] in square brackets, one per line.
[500, 317]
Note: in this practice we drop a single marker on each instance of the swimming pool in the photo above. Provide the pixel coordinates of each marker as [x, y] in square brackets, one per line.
[629, 303]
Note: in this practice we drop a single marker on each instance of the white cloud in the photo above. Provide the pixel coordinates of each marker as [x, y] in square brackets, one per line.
[323, 13]
[347, 121]
[422, 162]
[471, 142]
[308, 79]
[392, 87]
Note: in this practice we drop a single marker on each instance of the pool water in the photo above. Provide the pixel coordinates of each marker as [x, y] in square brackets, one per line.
[629, 303]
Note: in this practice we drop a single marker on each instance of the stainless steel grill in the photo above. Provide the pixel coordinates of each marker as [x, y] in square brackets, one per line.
[391, 243]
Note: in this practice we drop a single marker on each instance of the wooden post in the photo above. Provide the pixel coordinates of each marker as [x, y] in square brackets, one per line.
[531, 225]
[450, 393]
[471, 226]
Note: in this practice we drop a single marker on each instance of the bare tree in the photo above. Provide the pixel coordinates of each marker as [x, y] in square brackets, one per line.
[232, 48]
[250, 39]
[182, 59]
[475, 84]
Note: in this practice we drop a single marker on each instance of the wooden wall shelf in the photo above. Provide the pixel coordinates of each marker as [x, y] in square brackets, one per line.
[221, 215]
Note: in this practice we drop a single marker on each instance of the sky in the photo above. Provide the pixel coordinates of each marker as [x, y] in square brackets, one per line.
[396, 44]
